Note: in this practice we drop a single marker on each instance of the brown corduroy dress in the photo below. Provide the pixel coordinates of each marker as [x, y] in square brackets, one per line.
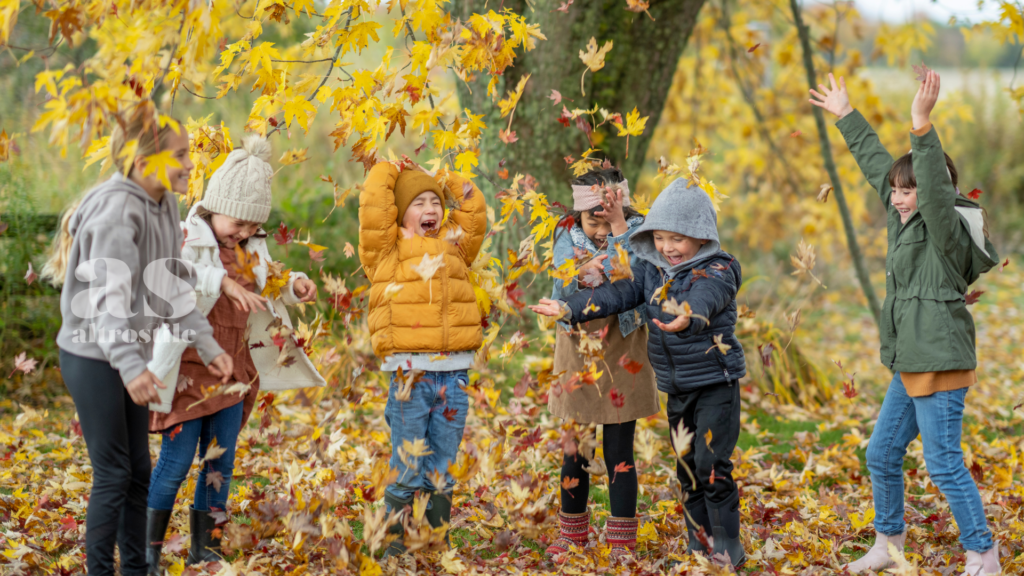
[229, 327]
[592, 404]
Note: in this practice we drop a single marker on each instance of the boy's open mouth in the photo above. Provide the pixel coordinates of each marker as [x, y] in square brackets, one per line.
[673, 260]
[428, 225]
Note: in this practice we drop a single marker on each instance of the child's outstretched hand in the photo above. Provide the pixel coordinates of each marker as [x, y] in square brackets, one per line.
[679, 324]
[611, 210]
[244, 300]
[924, 101]
[305, 289]
[835, 100]
[548, 307]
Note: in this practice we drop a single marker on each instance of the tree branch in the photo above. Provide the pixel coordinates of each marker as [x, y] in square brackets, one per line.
[833, 174]
[748, 97]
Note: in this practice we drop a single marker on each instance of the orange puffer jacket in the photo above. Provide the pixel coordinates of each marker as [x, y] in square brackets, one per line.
[412, 316]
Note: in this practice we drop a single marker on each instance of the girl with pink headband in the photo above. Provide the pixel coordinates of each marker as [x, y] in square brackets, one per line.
[599, 224]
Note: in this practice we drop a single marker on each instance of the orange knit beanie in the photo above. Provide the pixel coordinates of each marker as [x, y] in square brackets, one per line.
[410, 184]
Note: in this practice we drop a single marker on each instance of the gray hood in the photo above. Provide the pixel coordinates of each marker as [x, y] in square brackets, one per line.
[120, 222]
[684, 210]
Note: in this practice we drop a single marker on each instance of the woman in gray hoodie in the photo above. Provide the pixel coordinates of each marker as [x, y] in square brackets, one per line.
[118, 254]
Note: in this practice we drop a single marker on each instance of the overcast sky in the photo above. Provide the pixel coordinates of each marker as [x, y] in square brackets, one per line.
[897, 11]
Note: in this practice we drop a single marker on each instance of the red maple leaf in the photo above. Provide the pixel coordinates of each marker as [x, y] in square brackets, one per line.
[621, 467]
[631, 366]
[848, 389]
[973, 296]
[568, 483]
[175, 432]
[974, 194]
[283, 235]
[618, 398]
[449, 414]
[567, 222]
[68, 523]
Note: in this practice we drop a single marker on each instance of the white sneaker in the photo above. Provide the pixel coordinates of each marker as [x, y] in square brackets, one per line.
[878, 557]
[983, 563]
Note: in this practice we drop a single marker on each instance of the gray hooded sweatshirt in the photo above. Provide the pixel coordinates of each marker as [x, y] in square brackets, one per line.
[684, 210]
[120, 222]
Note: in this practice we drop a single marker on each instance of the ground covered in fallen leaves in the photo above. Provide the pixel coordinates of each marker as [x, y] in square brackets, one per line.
[311, 470]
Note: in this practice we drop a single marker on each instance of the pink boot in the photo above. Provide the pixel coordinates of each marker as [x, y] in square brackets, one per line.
[983, 563]
[573, 530]
[878, 557]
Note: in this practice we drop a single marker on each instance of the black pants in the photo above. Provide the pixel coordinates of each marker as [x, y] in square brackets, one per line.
[715, 408]
[622, 486]
[116, 432]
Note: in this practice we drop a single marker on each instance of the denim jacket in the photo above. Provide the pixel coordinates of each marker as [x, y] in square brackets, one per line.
[563, 251]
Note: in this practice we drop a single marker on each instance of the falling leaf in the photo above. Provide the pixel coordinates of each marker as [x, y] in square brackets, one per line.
[795, 134]
[752, 48]
[349, 250]
[621, 467]
[568, 483]
[974, 194]
[921, 71]
[556, 96]
[293, 156]
[283, 235]
[765, 350]
[639, 6]
[593, 58]
[973, 296]
[707, 439]
[621, 266]
[24, 364]
[507, 136]
[804, 261]
[824, 192]
[635, 126]
[617, 398]
[503, 173]
[30, 275]
[721, 346]
[213, 452]
[427, 268]
[449, 413]
[631, 366]
[214, 478]
[1004, 264]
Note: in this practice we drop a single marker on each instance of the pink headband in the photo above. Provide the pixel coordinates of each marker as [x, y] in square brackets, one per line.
[587, 197]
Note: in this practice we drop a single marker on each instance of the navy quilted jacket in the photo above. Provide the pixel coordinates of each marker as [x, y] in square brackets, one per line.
[684, 360]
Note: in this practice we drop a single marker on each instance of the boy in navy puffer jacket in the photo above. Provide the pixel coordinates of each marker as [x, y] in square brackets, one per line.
[696, 356]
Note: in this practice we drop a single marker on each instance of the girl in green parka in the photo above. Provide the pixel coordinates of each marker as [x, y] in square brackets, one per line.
[937, 248]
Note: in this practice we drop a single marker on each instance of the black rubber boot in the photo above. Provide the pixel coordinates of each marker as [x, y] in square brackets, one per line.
[394, 503]
[205, 546]
[725, 527]
[156, 533]
[439, 512]
[699, 511]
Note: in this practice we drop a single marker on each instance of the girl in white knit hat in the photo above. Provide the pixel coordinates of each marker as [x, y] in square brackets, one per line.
[220, 230]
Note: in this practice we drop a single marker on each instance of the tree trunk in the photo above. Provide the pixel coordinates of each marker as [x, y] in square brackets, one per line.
[830, 166]
[638, 73]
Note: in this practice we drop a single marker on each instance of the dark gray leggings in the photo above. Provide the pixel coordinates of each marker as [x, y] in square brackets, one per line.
[116, 434]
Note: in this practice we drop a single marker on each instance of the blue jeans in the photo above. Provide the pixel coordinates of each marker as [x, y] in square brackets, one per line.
[435, 412]
[177, 454]
[939, 419]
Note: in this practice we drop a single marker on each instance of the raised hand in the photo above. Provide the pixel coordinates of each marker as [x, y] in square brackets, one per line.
[548, 307]
[834, 100]
[611, 210]
[924, 100]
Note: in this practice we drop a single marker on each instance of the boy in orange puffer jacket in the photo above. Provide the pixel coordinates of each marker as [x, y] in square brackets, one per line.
[423, 318]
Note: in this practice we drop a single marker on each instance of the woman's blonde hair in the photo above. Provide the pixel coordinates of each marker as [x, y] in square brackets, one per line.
[150, 137]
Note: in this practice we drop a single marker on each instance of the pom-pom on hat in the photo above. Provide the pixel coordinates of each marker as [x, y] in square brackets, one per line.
[410, 184]
[240, 188]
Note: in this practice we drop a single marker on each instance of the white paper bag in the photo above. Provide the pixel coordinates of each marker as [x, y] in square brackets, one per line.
[167, 351]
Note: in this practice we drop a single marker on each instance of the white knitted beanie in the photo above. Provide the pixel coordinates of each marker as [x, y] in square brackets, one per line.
[240, 188]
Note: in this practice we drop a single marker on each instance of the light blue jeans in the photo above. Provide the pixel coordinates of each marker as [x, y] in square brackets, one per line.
[939, 419]
[176, 458]
[436, 412]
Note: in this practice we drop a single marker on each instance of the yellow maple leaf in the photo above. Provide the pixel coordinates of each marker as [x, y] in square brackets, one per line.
[261, 56]
[465, 163]
[634, 126]
[294, 156]
[158, 164]
[593, 58]
[299, 109]
[508, 105]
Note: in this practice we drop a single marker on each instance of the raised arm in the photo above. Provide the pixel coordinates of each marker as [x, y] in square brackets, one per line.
[710, 296]
[610, 298]
[874, 160]
[936, 195]
[378, 215]
[471, 214]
